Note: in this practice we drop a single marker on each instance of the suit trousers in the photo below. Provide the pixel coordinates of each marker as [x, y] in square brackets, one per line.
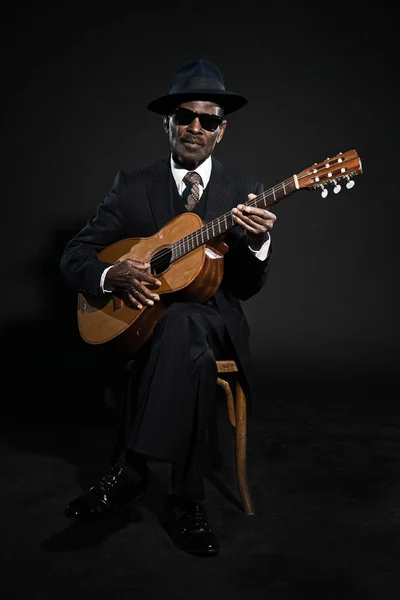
[176, 392]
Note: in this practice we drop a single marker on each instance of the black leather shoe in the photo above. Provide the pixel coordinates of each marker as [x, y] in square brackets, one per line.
[185, 521]
[106, 499]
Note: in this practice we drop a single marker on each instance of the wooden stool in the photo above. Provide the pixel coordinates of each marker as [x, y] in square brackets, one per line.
[237, 414]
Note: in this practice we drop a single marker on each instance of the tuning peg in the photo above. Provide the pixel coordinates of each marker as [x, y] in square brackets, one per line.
[350, 184]
[324, 192]
[337, 187]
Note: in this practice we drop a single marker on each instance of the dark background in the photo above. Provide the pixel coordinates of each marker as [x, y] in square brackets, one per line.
[321, 79]
[76, 82]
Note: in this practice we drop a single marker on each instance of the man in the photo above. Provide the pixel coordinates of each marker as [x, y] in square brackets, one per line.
[178, 383]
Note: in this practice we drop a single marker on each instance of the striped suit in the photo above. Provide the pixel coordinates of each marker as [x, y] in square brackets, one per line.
[178, 383]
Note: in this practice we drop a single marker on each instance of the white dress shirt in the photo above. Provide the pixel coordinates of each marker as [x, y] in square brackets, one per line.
[204, 170]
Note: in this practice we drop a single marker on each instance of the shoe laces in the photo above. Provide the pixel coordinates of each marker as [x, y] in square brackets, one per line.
[196, 517]
[111, 478]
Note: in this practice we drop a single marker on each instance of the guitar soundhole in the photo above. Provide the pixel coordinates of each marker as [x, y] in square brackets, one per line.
[161, 261]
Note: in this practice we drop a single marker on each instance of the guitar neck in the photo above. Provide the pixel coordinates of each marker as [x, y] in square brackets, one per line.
[225, 222]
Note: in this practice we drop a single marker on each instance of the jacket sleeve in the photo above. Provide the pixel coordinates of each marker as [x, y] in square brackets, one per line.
[79, 262]
[244, 273]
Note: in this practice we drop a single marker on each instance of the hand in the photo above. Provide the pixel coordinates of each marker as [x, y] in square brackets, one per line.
[256, 221]
[131, 278]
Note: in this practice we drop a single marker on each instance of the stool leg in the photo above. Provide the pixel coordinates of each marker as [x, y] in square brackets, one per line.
[241, 469]
[229, 399]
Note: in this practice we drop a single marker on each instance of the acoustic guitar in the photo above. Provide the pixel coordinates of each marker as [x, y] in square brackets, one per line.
[187, 256]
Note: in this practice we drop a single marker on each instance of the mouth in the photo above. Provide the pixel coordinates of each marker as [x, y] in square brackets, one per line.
[191, 143]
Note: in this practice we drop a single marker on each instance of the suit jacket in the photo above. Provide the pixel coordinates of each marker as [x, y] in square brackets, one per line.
[138, 205]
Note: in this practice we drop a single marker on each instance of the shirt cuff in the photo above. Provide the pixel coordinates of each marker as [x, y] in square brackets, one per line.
[103, 276]
[262, 253]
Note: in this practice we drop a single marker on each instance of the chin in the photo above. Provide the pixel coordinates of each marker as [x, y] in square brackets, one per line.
[192, 155]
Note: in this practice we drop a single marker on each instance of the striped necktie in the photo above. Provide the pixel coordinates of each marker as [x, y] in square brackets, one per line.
[194, 180]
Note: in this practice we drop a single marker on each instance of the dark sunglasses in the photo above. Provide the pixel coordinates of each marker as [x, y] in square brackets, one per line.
[184, 116]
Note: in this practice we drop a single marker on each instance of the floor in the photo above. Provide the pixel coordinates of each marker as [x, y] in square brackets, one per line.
[324, 475]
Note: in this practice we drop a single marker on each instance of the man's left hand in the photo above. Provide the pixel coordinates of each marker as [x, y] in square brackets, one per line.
[256, 221]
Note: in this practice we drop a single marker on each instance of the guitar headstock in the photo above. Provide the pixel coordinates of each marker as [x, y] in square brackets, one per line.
[343, 166]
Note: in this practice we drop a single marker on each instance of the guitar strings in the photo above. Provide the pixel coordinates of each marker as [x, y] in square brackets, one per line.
[180, 244]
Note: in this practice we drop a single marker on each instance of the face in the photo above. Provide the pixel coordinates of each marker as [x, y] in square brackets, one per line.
[191, 144]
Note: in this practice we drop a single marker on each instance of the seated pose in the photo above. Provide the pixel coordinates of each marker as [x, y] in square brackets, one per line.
[177, 386]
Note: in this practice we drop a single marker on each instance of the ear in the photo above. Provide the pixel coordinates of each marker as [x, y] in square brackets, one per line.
[221, 131]
[166, 124]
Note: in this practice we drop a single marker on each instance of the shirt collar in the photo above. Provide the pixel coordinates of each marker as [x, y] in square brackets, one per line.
[204, 170]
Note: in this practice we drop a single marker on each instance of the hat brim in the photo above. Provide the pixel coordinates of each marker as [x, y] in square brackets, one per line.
[228, 100]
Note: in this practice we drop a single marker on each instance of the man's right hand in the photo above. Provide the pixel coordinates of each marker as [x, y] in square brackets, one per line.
[131, 279]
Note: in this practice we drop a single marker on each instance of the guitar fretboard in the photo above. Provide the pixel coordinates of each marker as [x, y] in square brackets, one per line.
[225, 222]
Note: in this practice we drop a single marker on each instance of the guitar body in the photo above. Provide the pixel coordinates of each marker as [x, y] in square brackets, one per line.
[193, 277]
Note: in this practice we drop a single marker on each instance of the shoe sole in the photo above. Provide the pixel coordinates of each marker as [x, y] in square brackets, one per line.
[118, 515]
[209, 554]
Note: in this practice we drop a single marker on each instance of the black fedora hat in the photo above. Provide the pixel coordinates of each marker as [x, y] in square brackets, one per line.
[197, 80]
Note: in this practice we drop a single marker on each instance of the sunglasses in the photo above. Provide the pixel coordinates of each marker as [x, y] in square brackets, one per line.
[184, 116]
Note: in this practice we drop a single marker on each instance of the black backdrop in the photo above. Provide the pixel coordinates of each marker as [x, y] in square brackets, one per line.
[76, 83]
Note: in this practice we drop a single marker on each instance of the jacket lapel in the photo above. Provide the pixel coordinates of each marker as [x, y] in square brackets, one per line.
[159, 192]
[220, 194]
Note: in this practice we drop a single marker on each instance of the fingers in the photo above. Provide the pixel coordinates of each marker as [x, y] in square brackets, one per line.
[253, 219]
[143, 294]
[132, 266]
[140, 297]
[134, 281]
[137, 264]
[248, 226]
[135, 301]
[262, 213]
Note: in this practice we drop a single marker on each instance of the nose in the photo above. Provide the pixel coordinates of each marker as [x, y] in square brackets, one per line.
[195, 125]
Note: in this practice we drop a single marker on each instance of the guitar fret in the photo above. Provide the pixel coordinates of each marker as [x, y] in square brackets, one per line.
[225, 222]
